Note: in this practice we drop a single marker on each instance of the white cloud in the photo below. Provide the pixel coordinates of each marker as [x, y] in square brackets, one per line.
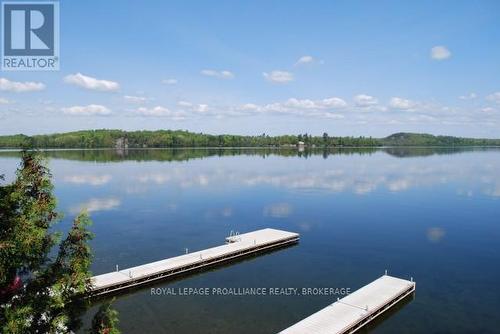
[160, 111]
[90, 110]
[330, 115]
[249, 107]
[333, 102]
[363, 109]
[363, 100]
[20, 87]
[421, 118]
[170, 81]
[402, 104]
[184, 104]
[440, 52]
[224, 74]
[135, 99]
[4, 101]
[274, 107]
[278, 76]
[488, 110]
[304, 60]
[469, 96]
[156, 111]
[199, 108]
[301, 104]
[495, 97]
[293, 103]
[299, 107]
[91, 83]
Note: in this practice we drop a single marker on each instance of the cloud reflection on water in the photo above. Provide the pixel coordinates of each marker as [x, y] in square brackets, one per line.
[278, 210]
[357, 176]
[435, 234]
[96, 204]
[89, 179]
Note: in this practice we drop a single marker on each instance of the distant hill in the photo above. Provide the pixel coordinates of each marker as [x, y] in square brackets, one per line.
[423, 139]
[120, 139]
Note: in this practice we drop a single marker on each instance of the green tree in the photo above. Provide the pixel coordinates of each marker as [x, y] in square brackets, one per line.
[40, 293]
[325, 139]
[105, 321]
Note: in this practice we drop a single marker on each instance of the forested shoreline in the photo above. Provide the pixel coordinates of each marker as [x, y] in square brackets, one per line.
[178, 138]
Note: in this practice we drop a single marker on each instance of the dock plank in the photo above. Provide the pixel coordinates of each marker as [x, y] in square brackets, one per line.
[357, 309]
[236, 246]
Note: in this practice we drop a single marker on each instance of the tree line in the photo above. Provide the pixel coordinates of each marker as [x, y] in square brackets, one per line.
[172, 138]
[179, 138]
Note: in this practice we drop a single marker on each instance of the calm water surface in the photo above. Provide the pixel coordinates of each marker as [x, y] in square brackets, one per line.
[433, 214]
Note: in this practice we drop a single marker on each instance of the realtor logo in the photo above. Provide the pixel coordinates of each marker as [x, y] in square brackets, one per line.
[30, 36]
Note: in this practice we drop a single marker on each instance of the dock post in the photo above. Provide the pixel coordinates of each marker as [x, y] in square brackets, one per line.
[116, 267]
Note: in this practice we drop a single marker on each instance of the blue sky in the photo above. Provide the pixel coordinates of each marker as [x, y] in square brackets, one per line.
[344, 67]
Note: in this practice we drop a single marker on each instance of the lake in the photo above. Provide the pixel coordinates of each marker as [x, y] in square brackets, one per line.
[428, 213]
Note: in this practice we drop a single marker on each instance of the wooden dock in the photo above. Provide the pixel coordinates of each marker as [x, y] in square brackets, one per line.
[351, 313]
[237, 246]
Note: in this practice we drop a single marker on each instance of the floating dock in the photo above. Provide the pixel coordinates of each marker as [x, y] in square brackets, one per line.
[351, 313]
[237, 246]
